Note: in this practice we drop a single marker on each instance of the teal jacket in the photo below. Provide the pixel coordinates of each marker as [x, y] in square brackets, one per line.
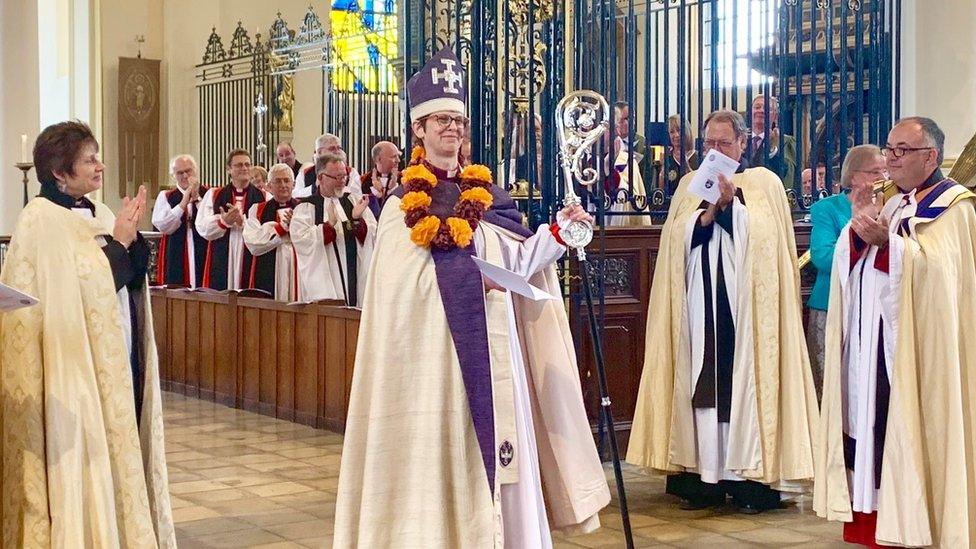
[828, 216]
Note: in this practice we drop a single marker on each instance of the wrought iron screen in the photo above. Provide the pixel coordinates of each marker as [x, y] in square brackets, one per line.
[247, 91]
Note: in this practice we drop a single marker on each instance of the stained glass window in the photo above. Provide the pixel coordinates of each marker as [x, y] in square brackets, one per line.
[365, 43]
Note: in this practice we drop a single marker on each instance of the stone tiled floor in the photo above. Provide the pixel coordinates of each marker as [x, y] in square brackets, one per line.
[243, 480]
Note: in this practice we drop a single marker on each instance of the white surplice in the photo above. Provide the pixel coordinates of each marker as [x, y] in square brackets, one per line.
[713, 438]
[167, 219]
[524, 520]
[871, 300]
[263, 238]
[322, 273]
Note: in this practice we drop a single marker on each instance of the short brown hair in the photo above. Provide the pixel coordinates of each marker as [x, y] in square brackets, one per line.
[58, 146]
[730, 117]
[237, 152]
[324, 160]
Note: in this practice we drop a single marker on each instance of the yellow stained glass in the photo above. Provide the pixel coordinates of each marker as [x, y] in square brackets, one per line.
[364, 42]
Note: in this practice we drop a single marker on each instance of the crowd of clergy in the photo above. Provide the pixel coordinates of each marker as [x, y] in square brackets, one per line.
[296, 232]
[466, 424]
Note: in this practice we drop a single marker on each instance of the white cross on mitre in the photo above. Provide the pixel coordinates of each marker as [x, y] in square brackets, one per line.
[448, 75]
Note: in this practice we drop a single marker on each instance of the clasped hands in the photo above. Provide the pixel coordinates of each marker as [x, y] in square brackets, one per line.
[126, 227]
[866, 220]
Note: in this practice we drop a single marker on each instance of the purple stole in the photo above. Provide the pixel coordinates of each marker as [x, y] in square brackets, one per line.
[462, 293]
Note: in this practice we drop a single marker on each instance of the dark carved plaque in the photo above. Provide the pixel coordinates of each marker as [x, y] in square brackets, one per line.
[138, 125]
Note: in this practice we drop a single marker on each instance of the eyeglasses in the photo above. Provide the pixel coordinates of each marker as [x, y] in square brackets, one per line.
[898, 152]
[342, 179]
[444, 120]
[715, 144]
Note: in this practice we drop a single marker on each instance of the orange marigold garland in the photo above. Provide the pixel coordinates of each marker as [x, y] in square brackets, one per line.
[428, 230]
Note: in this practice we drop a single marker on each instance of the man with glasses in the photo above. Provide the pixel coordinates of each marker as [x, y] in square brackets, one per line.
[182, 250]
[266, 235]
[863, 167]
[333, 233]
[726, 402]
[221, 222]
[307, 179]
[897, 449]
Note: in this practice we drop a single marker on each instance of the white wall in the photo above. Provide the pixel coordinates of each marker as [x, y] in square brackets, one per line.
[19, 104]
[939, 69]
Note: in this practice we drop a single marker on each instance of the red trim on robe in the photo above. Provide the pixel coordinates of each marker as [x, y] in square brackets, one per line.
[220, 223]
[862, 530]
[328, 233]
[206, 265]
[882, 260]
[161, 260]
[360, 230]
[858, 248]
[554, 229]
[280, 229]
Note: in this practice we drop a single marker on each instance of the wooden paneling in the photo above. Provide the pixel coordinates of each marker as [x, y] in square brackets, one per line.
[307, 379]
[285, 366]
[291, 362]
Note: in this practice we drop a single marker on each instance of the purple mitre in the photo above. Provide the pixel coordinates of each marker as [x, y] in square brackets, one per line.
[439, 86]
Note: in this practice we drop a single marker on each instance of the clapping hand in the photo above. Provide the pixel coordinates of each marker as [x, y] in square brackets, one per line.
[194, 188]
[871, 230]
[285, 219]
[727, 192]
[127, 222]
[360, 206]
[230, 216]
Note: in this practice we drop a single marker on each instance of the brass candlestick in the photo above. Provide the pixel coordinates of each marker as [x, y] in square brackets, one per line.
[26, 168]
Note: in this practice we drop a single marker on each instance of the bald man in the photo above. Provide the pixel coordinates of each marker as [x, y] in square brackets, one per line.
[286, 155]
[379, 182]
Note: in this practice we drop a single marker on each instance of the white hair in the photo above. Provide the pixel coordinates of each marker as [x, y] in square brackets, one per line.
[281, 167]
[321, 140]
[187, 157]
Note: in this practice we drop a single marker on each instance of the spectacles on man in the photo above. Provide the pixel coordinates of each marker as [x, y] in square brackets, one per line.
[716, 144]
[341, 179]
[898, 152]
[444, 120]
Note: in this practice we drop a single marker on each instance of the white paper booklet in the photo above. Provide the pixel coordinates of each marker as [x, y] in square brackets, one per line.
[11, 299]
[705, 181]
[511, 281]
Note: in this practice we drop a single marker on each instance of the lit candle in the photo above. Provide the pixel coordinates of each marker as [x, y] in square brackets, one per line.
[23, 148]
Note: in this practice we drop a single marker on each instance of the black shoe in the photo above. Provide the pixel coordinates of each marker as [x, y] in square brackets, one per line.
[750, 510]
[698, 504]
